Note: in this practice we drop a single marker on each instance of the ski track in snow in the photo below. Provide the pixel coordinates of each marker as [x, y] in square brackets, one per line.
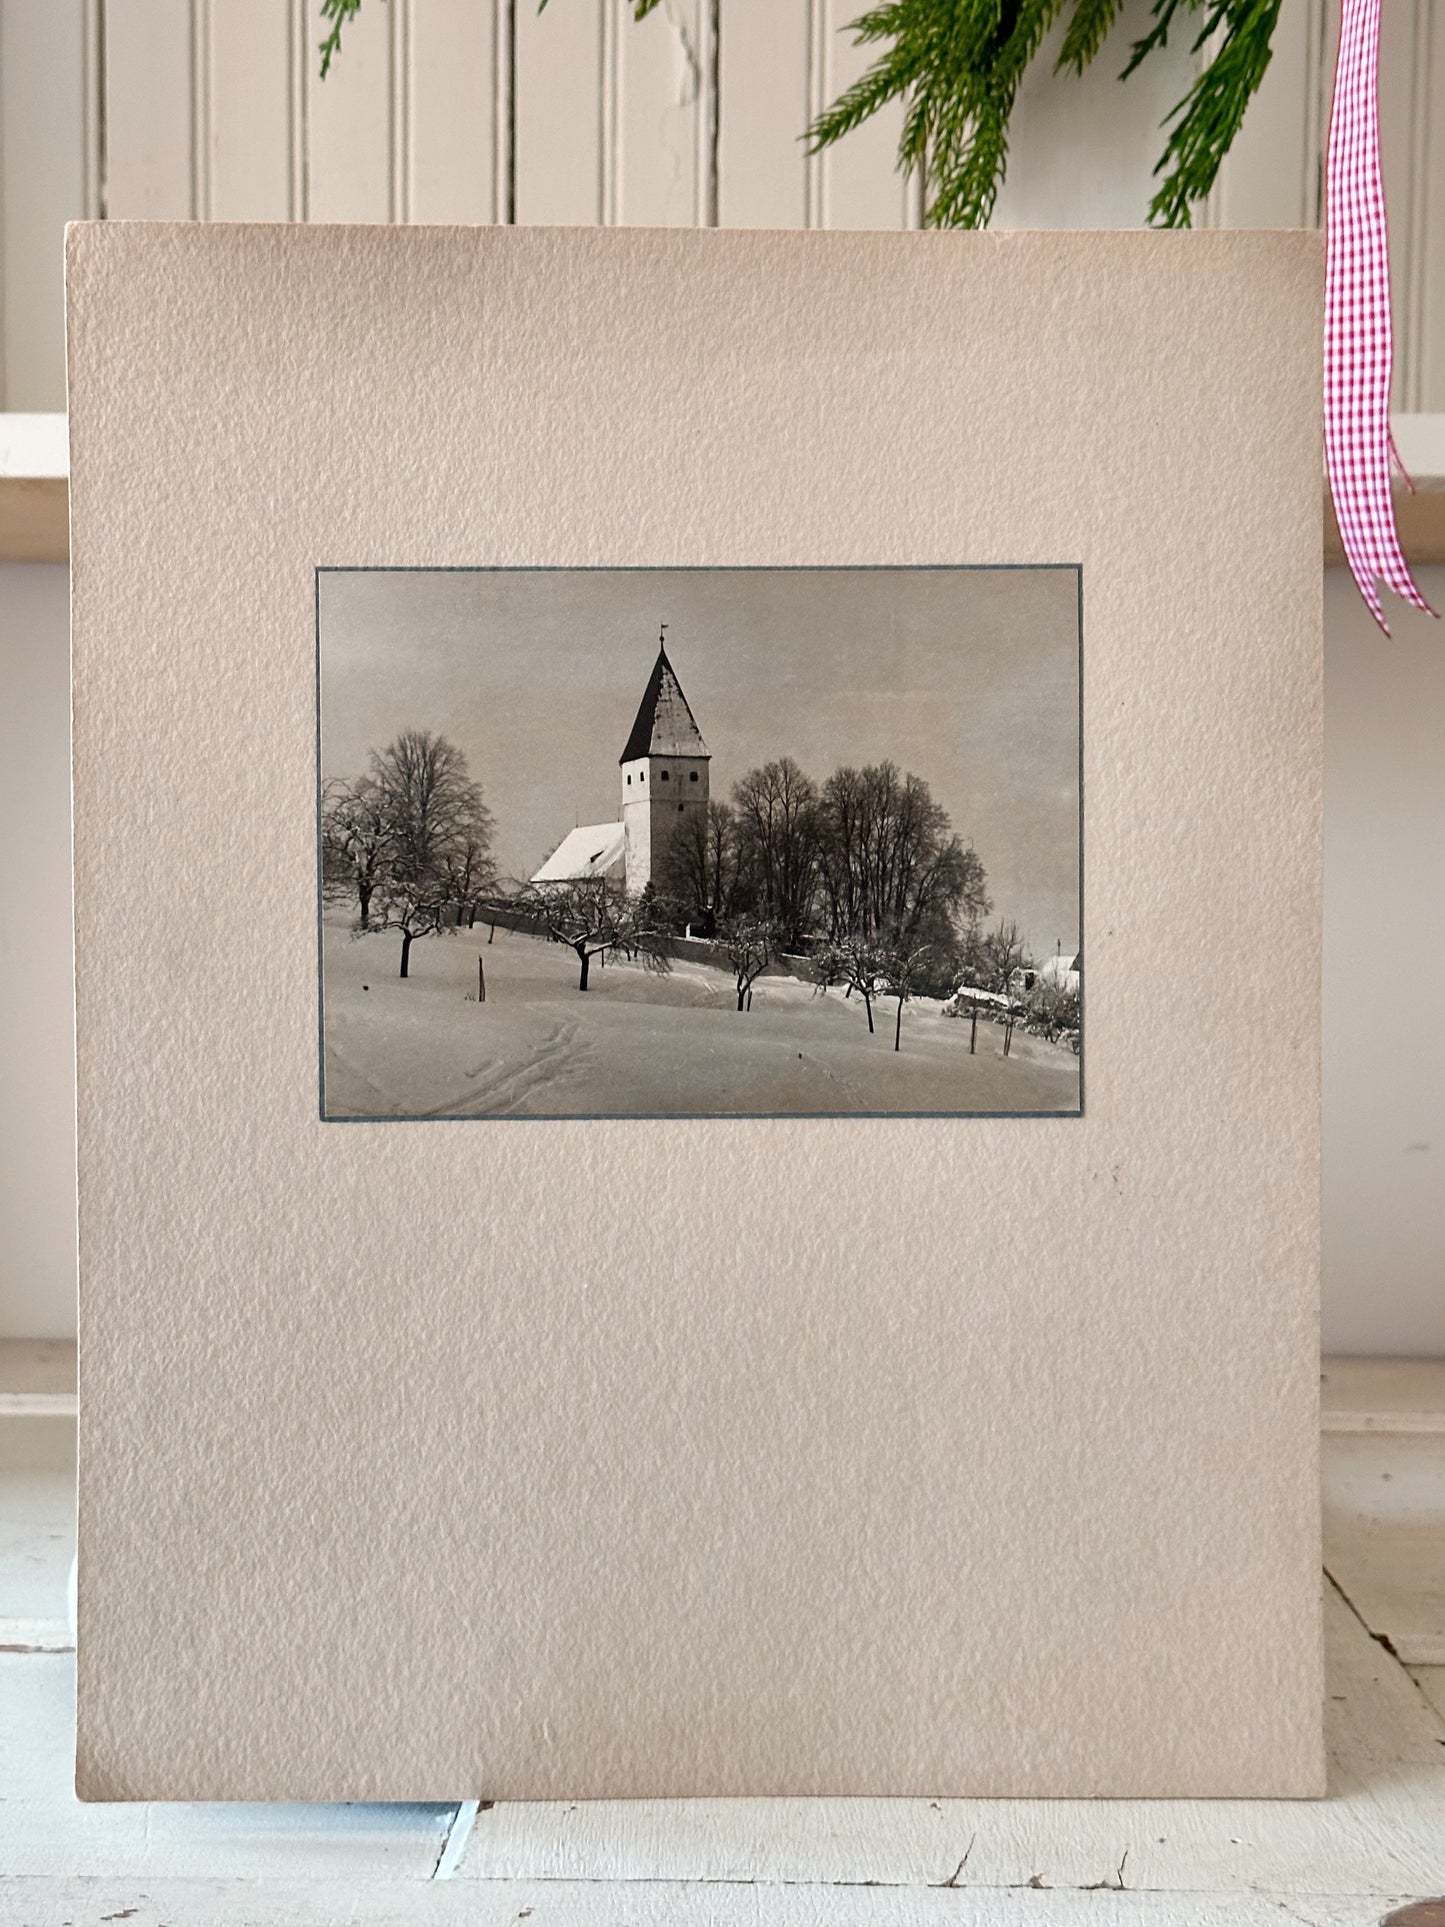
[338, 1059]
[497, 1090]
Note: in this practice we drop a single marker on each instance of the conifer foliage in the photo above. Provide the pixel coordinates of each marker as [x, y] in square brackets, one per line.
[957, 66]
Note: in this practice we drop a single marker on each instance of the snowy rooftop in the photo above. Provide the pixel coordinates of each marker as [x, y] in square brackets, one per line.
[664, 725]
[591, 850]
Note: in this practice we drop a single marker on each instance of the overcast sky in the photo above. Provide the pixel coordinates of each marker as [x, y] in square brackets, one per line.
[967, 677]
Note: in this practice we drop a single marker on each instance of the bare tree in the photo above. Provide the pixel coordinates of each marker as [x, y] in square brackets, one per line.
[414, 904]
[357, 839]
[413, 835]
[902, 972]
[592, 917]
[858, 962]
[1005, 950]
[431, 801]
[891, 866]
[467, 866]
[697, 867]
[750, 945]
[778, 845]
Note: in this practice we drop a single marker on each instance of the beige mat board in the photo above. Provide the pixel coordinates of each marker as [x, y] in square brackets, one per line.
[695, 1457]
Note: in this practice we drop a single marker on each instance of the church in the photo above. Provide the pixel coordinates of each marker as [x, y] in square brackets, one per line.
[662, 779]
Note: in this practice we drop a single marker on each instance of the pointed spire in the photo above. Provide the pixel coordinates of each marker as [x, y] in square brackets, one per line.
[664, 725]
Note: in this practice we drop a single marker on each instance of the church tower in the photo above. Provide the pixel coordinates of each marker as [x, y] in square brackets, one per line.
[664, 771]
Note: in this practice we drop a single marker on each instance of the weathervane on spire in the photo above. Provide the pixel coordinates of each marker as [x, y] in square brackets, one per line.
[662, 636]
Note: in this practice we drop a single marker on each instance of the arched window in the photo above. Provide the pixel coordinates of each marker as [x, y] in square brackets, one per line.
[629, 779]
[692, 776]
[681, 807]
[664, 776]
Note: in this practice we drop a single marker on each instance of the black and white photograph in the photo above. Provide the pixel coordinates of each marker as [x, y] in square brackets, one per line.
[699, 842]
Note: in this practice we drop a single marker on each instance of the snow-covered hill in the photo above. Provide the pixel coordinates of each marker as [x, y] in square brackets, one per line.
[641, 1044]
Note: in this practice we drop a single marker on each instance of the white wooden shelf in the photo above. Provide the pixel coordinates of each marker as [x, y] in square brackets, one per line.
[37, 1378]
[1390, 1395]
[35, 510]
[34, 489]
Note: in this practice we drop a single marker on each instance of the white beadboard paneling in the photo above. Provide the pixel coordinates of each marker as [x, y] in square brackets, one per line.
[1430, 219]
[1400, 24]
[452, 110]
[763, 113]
[150, 109]
[1274, 174]
[44, 183]
[859, 185]
[1271, 176]
[247, 116]
[1082, 147]
[558, 111]
[351, 116]
[661, 107]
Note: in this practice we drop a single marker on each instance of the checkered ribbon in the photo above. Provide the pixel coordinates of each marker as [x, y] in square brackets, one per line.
[1359, 447]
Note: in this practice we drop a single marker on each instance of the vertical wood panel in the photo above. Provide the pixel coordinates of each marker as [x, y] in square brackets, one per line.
[1398, 148]
[350, 119]
[661, 105]
[1431, 375]
[504, 111]
[300, 109]
[558, 110]
[452, 110]
[45, 181]
[248, 110]
[762, 113]
[1405, 91]
[1082, 147]
[149, 110]
[860, 186]
[1271, 176]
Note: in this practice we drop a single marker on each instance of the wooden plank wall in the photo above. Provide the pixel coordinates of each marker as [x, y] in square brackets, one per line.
[486, 110]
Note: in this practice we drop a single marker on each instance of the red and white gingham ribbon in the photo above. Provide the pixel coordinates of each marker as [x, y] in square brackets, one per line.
[1359, 447]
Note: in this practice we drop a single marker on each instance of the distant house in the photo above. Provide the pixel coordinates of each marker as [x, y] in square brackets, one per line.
[664, 776]
[1064, 973]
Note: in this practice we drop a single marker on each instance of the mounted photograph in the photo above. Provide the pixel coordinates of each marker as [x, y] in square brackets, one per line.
[699, 842]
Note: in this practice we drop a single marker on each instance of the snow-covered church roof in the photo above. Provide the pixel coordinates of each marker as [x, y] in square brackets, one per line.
[664, 725]
[591, 850]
